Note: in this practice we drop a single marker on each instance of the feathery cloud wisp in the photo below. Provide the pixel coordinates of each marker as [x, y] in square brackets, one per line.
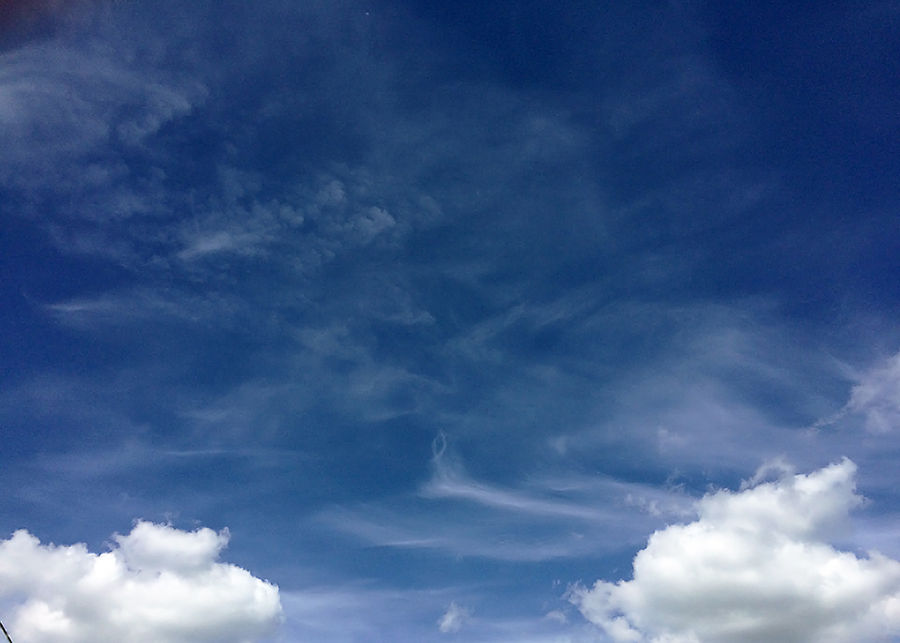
[453, 619]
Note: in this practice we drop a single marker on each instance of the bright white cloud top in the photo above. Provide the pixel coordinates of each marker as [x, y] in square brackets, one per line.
[157, 584]
[755, 566]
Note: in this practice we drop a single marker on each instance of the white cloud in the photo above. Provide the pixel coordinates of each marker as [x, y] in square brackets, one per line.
[146, 305]
[877, 397]
[874, 399]
[61, 106]
[451, 482]
[368, 224]
[216, 242]
[157, 584]
[539, 520]
[453, 619]
[360, 612]
[755, 566]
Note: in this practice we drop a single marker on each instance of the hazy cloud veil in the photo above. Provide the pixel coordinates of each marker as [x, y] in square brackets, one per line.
[477, 321]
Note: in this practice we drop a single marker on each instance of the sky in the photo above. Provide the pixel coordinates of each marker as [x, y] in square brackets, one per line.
[476, 321]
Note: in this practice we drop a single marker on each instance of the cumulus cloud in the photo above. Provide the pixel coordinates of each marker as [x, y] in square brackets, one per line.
[453, 619]
[755, 566]
[156, 584]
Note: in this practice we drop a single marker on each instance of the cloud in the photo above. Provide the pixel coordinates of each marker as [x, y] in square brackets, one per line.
[354, 612]
[877, 397]
[453, 619]
[874, 399]
[571, 497]
[755, 566]
[141, 306]
[538, 520]
[156, 584]
[455, 533]
[450, 482]
[731, 385]
[66, 109]
[360, 612]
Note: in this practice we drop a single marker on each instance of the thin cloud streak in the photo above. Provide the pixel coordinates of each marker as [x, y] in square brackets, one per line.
[449, 482]
[504, 524]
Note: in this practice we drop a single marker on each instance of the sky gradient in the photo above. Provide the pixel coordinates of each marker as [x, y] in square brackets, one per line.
[474, 321]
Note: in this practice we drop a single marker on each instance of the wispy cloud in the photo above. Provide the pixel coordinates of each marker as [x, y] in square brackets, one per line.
[536, 522]
[64, 109]
[149, 307]
[355, 613]
[453, 619]
[471, 534]
[726, 380]
[449, 482]
[875, 398]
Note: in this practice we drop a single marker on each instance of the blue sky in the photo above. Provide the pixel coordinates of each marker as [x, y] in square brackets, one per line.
[433, 314]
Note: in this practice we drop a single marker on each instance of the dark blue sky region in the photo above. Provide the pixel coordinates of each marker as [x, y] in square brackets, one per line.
[442, 309]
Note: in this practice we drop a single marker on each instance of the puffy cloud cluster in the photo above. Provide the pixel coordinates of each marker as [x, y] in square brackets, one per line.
[755, 566]
[157, 584]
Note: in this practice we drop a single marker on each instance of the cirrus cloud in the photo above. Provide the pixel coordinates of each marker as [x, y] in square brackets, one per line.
[877, 396]
[453, 619]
